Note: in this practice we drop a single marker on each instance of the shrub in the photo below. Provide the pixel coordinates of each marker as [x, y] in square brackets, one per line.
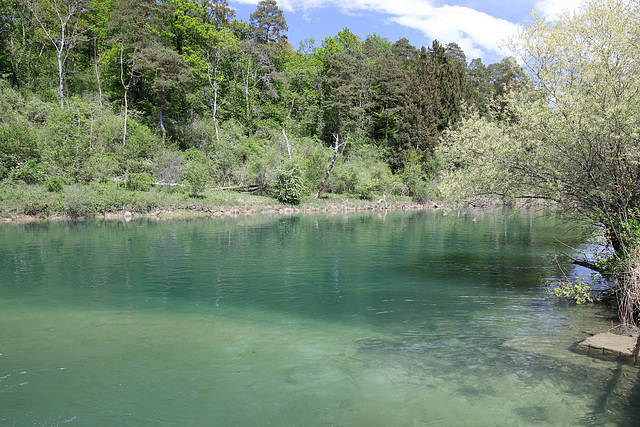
[101, 168]
[261, 169]
[55, 184]
[195, 175]
[168, 165]
[138, 182]
[422, 192]
[30, 172]
[77, 204]
[36, 207]
[288, 185]
[18, 150]
[195, 155]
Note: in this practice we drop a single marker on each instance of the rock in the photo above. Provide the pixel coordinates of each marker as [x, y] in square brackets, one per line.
[608, 346]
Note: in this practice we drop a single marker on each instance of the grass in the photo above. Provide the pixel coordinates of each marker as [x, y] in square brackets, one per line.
[21, 200]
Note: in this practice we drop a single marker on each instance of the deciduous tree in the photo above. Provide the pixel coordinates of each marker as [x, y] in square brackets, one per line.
[61, 22]
[574, 138]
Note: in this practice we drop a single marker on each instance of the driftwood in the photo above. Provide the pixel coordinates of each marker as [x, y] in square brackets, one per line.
[170, 184]
[336, 147]
[238, 188]
[383, 200]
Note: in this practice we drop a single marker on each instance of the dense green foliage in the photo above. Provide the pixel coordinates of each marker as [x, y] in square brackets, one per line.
[288, 185]
[120, 90]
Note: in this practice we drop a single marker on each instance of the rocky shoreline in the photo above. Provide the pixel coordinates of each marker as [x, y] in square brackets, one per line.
[228, 212]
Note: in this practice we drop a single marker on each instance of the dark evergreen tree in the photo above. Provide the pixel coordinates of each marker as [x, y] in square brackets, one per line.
[268, 22]
[166, 75]
[390, 84]
[482, 90]
[435, 97]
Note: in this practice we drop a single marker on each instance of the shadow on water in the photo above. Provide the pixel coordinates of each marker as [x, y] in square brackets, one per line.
[618, 393]
[631, 412]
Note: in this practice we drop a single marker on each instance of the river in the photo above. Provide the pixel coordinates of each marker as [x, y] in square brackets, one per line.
[359, 319]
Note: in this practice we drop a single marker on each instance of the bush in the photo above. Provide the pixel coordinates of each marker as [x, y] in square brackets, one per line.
[101, 168]
[29, 172]
[262, 168]
[288, 185]
[168, 165]
[36, 207]
[77, 204]
[18, 150]
[315, 160]
[55, 184]
[422, 193]
[195, 175]
[195, 155]
[138, 182]
[40, 204]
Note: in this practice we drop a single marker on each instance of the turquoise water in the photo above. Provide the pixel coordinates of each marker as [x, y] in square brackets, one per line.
[367, 319]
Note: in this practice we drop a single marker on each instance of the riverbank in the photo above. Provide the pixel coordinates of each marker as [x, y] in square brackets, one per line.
[23, 203]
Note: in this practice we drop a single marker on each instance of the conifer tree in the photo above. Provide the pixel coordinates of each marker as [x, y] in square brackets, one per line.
[268, 22]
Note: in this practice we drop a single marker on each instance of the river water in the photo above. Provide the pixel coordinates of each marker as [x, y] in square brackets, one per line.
[361, 319]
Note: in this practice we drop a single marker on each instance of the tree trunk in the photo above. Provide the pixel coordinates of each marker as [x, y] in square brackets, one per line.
[97, 71]
[125, 97]
[60, 79]
[288, 146]
[213, 82]
[336, 148]
[162, 128]
[126, 116]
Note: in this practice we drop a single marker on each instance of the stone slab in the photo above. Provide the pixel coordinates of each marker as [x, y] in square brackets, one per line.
[610, 345]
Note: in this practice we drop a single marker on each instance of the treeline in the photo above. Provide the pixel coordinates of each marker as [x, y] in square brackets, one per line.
[143, 91]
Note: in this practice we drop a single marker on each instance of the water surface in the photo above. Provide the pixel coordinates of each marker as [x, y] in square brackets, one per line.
[368, 319]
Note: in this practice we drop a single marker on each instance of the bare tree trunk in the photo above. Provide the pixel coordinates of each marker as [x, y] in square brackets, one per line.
[97, 71]
[61, 76]
[213, 82]
[288, 146]
[126, 116]
[162, 128]
[336, 149]
[125, 98]
[67, 13]
[126, 87]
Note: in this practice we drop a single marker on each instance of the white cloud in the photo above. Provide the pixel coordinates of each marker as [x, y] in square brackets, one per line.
[551, 9]
[477, 32]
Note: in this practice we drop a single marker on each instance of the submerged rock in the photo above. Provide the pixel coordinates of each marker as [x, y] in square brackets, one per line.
[608, 345]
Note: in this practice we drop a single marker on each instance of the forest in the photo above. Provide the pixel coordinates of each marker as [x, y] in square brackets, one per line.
[141, 92]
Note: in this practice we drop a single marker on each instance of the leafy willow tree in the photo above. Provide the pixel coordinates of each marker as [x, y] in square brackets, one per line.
[573, 138]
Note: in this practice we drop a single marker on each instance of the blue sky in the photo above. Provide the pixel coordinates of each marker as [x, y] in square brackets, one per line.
[478, 26]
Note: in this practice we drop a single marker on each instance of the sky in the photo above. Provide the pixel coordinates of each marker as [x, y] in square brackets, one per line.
[477, 26]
